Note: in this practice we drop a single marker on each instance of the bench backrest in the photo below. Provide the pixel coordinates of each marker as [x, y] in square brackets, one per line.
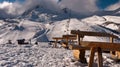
[89, 33]
[69, 36]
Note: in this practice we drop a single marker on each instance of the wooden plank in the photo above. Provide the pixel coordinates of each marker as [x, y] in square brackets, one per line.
[69, 35]
[54, 41]
[91, 60]
[57, 38]
[89, 33]
[77, 47]
[102, 45]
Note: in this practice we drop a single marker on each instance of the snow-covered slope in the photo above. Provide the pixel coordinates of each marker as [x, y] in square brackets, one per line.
[44, 32]
[25, 29]
[64, 27]
[94, 23]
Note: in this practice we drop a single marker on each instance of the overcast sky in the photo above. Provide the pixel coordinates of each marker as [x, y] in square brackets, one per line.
[17, 7]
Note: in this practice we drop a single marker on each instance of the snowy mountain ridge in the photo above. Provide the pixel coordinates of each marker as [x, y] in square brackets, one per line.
[42, 24]
[42, 14]
[27, 29]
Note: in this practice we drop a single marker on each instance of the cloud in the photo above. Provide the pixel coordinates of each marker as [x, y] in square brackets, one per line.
[8, 9]
[114, 6]
[84, 7]
[81, 6]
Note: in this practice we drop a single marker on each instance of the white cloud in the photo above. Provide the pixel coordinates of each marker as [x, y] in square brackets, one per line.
[80, 6]
[10, 9]
[5, 4]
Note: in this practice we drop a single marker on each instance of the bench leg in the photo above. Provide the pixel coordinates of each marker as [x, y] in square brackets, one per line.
[79, 55]
[67, 43]
[100, 59]
[113, 54]
[82, 58]
[55, 45]
[92, 53]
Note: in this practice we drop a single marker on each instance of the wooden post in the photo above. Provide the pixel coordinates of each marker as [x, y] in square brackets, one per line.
[100, 59]
[78, 38]
[113, 54]
[82, 58]
[91, 60]
[67, 38]
[55, 45]
[111, 40]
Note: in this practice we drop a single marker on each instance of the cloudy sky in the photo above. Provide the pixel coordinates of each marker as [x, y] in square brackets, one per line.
[17, 7]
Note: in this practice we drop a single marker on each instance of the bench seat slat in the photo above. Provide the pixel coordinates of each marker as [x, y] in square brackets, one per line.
[78, 47]
[103, 45]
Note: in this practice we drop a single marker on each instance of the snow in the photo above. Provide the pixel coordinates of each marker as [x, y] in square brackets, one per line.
[94, 20]
[1, 22]
[64, 27]
[113, 18]
[24, 29]
[113, 26]
[43, 55]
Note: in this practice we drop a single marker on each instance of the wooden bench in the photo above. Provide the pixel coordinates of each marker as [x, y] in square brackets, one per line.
[65, 40]
[56, 40]
[79, 50]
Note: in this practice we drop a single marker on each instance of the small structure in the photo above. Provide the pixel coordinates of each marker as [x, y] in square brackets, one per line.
[9, 42]
[22, 41]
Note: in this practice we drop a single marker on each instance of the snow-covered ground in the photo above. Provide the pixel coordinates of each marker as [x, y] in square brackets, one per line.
[43, 55]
